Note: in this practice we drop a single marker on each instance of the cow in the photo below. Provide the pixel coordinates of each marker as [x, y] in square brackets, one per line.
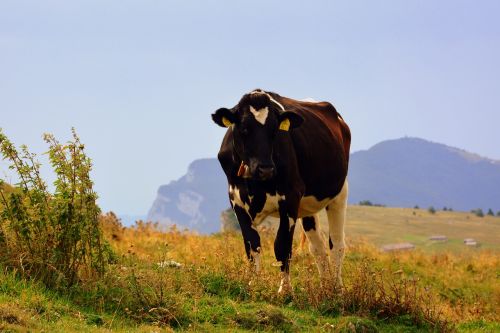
[288, 159]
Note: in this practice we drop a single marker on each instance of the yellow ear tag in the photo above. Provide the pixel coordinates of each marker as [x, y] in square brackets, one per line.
[226, 122]
[285, 124]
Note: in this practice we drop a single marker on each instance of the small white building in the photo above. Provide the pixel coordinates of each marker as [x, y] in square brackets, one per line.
[470, 242]
[438, 238]
[398, 247]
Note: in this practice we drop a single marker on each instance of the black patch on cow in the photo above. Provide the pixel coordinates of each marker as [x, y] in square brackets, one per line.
[244, 195]
[308, 223]
[330, 244]
[257, 101]
[284, 239]
[251, 237]
[258, 202]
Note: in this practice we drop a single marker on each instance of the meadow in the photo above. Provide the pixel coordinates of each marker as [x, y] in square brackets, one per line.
[177, 280]
[67, 267]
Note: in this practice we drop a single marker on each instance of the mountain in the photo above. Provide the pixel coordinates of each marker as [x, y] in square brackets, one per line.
[195, 201]
[411, 171]
[403, 172]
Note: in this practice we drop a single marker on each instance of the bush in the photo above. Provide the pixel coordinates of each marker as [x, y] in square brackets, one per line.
[478, 212]
[432, 210]
[51, 237]
[369, 203]
[490, 212]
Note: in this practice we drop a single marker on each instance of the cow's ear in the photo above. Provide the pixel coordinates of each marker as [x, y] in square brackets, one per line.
[289, 120]
[223, 117]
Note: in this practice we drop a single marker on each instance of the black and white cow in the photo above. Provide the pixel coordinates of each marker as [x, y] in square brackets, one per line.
[288, 159]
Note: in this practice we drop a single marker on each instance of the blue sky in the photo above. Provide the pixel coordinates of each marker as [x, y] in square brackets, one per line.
[139, 79]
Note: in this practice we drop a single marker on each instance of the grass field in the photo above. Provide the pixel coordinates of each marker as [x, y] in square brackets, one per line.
[383, 225]
[437, 287]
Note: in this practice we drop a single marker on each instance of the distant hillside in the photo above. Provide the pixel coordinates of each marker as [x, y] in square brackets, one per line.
[410, 171]
[403, 172]
[194, 201]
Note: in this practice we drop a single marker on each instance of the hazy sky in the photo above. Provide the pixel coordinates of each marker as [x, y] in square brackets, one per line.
[139, 79]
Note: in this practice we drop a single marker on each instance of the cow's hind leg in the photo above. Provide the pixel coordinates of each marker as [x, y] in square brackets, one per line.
[250, 236]
[316, 242]
[336, 212]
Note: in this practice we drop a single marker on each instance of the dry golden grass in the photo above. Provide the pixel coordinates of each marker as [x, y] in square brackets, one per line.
[428, 289]
[382, 225]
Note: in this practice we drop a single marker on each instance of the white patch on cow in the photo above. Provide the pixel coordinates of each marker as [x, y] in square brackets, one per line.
[308, 99]
[270, 208]
[236, 198]
[309, 205]
[270, 205]
[260, 115]
[317, 246]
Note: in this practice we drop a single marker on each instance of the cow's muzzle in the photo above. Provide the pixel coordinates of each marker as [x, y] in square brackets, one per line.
[265, 172]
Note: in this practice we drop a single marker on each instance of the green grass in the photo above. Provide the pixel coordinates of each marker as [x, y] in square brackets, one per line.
[27, 306]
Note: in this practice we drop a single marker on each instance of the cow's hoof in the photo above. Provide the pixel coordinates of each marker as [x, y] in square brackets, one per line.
[285, 289]
[285, 285]
[339, 284]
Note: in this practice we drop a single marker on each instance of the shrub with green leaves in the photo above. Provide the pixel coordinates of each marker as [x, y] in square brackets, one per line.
[52, 237]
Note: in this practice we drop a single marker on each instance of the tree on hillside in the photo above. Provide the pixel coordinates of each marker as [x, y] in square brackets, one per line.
[432, 210]
[478, 212]
[490, 212]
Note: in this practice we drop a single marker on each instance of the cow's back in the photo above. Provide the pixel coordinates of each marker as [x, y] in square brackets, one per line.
[322, 145]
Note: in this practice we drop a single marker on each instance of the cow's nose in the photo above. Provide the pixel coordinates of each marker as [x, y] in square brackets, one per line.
[266, 172]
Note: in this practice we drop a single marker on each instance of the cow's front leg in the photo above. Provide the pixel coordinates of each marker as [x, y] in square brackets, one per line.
[283, 246]
[251, 237]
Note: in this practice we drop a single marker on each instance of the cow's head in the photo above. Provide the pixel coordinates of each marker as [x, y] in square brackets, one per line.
[256, 122]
